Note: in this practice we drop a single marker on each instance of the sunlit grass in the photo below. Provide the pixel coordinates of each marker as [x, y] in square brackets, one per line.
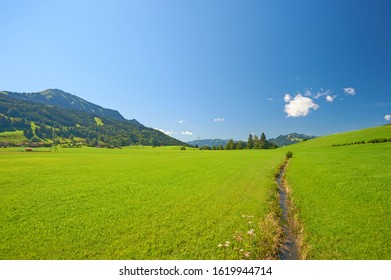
[134, 203]
[343, 195]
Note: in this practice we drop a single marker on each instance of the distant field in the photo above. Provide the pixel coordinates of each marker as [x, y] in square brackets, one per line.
[134, 203]
[344, 195]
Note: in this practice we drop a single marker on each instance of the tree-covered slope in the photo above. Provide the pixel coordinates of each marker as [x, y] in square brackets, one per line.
[64, 100]
[49, 123]
[289, 139]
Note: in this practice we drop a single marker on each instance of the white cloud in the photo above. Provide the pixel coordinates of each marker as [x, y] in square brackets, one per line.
[307, 92]
[299, 106]
[181, 121]
[270, 99]
[322, 92]
[218, 119]
[186, 133]
[330, 98]
[350, 91]
[167, 132]
[387, 117]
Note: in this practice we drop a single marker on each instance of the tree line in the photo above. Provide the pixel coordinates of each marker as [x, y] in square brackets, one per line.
[253, 142]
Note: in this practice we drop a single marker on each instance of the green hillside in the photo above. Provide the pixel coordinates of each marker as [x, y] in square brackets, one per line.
[41, 123]
[343, 195]
[348, 137]
[61, 99]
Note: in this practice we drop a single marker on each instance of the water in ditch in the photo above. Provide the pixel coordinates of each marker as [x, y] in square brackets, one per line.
[289, 249]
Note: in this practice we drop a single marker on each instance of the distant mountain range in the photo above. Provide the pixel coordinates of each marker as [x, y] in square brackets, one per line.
[208, 142]
[289, 139]
[56, 116]
[280, 141]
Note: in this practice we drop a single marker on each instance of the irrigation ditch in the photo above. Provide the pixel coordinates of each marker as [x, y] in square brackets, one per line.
[289, 249]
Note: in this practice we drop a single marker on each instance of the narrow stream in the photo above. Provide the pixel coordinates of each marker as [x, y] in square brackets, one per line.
[289, 249]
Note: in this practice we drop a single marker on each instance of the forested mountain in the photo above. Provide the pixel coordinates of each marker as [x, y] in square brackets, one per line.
[64, 100]
[48, 123]
[289, 139]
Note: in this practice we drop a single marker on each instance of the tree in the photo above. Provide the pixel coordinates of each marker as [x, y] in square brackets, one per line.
[230, 145]
[256, 142]
[28, 133]
[250, 142]
[263, 142]
[239, 145]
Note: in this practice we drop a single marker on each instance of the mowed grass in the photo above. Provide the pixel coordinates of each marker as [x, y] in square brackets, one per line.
[343, 195]
[135, 203]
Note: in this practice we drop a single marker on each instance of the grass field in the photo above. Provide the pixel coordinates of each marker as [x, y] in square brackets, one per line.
[12, 136]
[343, 195]
[164, 203]
[134, 203]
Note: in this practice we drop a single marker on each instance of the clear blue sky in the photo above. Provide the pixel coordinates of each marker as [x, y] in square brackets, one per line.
[208, 69]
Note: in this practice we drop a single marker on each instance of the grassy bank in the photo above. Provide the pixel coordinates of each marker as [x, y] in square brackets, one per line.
[343, 195]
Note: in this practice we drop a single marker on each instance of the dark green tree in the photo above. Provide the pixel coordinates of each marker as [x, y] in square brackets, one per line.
[250, 142]
[230, 145]
[263, 142]
[256, 142]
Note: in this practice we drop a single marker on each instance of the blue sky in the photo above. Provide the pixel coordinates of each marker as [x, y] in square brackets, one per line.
[208, 69]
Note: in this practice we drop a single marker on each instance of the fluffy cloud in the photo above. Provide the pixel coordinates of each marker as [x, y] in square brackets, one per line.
[330, 98]
[166, 131]
[181, 121]
[175, 133]
[387, 117]
[270, 99]
[350, 91]
[299, 106]
[218, 119]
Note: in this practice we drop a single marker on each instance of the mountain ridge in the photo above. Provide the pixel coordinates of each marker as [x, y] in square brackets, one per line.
[291, 138]
[65, 100]
[48, 123]
[282, 140]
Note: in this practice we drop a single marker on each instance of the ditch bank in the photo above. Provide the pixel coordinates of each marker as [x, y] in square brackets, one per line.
[289, 249]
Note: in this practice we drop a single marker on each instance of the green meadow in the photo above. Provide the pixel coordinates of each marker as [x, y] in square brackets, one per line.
[343, 195]
[165, 203]
[133, 203]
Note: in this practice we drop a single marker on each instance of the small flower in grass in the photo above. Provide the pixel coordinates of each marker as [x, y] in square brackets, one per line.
[226, 243]
[246, 255]
[220, 245]
[251, 232]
